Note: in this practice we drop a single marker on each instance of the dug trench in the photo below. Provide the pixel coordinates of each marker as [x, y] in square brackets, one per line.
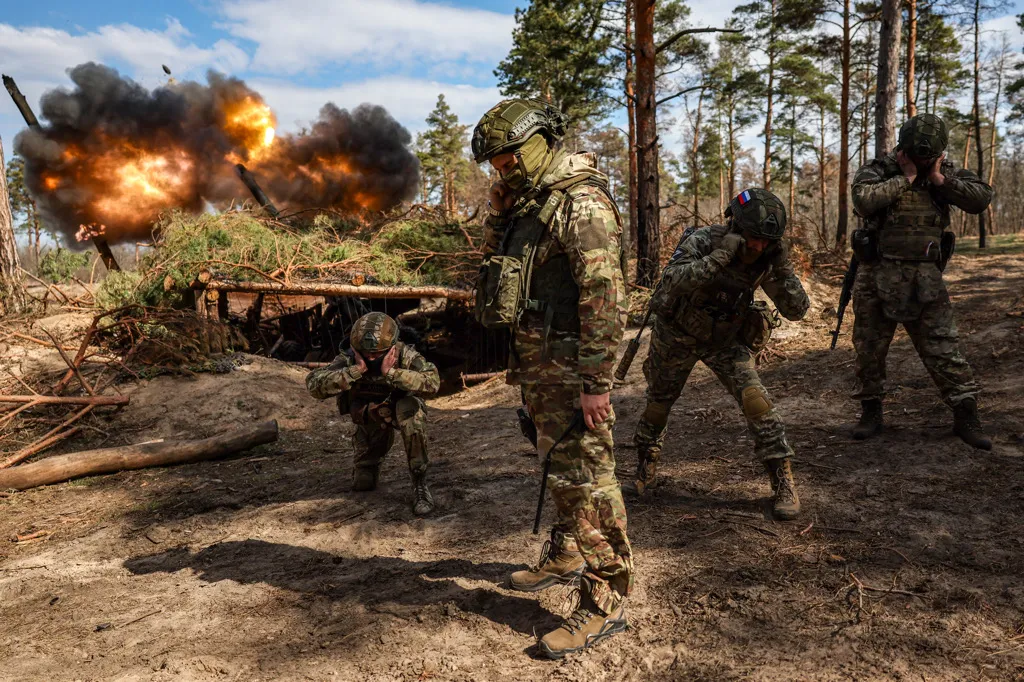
[905, 565]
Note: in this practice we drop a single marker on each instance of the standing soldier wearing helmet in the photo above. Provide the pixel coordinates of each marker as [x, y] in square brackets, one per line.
[379, 382]
[552, 275]
[903, 247]
[705, 310]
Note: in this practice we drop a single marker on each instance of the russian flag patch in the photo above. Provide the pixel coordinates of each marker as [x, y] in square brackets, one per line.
[744, 197]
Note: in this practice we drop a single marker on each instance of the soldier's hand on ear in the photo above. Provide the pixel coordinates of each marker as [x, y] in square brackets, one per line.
[935, 175]
[908, 167]
[732, 242]
[360, 362]
[389, 360]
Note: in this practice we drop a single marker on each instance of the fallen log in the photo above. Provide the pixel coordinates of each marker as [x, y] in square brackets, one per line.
[96, 400]
[332, 289]
[155, 454]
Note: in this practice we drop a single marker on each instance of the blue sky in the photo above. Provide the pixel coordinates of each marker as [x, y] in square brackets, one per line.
[398, 53]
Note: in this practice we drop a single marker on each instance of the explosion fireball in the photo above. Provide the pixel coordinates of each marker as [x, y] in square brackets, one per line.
[111, 155]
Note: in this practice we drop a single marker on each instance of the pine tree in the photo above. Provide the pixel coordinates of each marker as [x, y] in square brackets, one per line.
[23, 206]
[561, 53]
[442, 153]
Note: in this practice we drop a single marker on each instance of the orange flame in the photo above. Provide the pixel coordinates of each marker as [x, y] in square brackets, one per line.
[87, 232]
[250, 124]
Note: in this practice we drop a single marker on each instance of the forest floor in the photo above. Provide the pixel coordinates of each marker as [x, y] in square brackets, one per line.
[907, 563]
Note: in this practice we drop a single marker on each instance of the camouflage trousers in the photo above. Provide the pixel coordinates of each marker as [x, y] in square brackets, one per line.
[584, 489]
[672, 357]
[373, 439]
[879, 307]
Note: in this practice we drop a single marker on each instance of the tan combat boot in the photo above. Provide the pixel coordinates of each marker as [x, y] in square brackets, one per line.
[646, 471]
[586, 626]
[785, 501]
[557, 566]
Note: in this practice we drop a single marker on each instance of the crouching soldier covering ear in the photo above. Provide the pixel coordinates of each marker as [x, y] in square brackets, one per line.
[378, 383]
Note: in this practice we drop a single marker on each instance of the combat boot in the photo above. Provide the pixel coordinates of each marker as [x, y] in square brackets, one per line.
[557, 566]
[870, 424]
[364, 479]
[785, 501]
[423, 501]
[967, 425]
[586, 626]
[646, 471]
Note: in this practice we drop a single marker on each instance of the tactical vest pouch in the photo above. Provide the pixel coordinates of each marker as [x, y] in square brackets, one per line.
[910, 245]
[499, 292]
[947, 246]
[864, 243]
[758, 324]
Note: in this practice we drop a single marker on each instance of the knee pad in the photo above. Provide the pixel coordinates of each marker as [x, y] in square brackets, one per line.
[656, 414]
[756, 403]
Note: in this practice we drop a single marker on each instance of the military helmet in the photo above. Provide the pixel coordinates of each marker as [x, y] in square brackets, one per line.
[759, 212]
[511, 122]
[373, 333]
[924, 136]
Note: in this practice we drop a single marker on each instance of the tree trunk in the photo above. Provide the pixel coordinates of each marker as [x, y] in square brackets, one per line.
[732, 147]
[12, 289]
[109, 460]
[821, 170]
[721, 169]
[843, 225]
[792, 161]
[911, 48]
[648, 237]
[694, 154]
[771, 95]
[993, 138]
[977, 115]
[631, 114]
[888, 76]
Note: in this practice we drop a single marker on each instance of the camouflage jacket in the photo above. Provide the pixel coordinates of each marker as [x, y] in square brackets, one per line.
[588, 230]
[879, 183]
[699, 260]
[412, 374]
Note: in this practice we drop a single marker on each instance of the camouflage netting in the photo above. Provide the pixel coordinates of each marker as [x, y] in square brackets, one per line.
[248, 246]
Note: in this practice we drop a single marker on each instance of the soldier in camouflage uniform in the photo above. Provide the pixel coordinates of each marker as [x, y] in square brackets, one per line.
[379, 382]
[904, 199]
[704, 310]
[552, 274]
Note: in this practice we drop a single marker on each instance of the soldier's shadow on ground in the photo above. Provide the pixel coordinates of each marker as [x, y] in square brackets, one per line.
[374, 582]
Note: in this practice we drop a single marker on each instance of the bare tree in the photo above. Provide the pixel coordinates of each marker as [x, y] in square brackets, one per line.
[12, 290]
[888, 76]
[648, 229]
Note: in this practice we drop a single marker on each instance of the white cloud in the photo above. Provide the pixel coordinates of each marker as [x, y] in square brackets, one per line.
[408, 100]
[385, 32]
[41, 52]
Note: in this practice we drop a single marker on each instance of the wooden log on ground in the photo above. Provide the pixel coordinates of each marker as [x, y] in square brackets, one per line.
[96, 400]
[145, 455]
[478, 377]
[331, 289]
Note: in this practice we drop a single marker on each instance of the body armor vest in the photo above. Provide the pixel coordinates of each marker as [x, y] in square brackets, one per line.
[715, 312]
[912, 228]
[528, 281]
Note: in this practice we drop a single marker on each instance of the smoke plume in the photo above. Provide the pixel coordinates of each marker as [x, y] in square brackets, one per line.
[111, 155]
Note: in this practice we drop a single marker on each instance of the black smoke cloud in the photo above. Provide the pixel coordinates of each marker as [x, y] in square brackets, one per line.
[112, 152]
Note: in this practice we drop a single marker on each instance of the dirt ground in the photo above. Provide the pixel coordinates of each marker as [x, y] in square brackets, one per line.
[906, 565]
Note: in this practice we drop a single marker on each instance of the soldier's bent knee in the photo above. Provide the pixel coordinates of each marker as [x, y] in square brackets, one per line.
[756, 402]
[656, 413]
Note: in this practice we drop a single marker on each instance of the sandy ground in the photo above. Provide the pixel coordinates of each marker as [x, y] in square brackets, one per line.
[906, 565]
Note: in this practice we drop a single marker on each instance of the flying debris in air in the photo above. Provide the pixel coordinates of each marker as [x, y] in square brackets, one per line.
[166, 69]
